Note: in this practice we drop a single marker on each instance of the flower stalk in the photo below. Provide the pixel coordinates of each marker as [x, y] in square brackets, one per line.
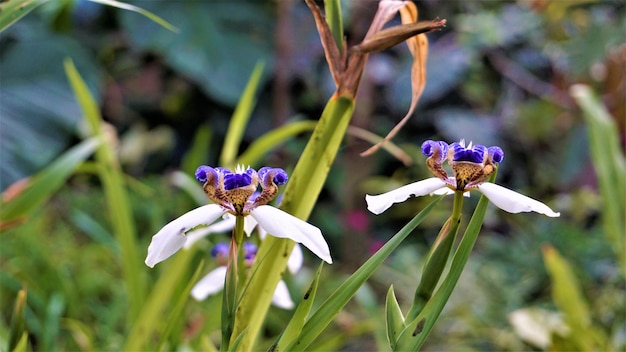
[437, 258]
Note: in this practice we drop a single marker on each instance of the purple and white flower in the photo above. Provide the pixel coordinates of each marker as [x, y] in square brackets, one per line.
[234, 194]
[471, 166]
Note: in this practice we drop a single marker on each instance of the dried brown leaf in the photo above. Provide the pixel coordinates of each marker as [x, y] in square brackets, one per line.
[418, 46]
[336, 61]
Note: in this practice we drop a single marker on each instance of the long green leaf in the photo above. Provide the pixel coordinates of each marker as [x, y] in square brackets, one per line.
[332, 8]
[416, 331]
[395, 319]
[167, 292]
[304, 187]
[437, 259]
[198, 154]
[328, 310]
[11, 11]
[239, 120]
[567, 296]
[112, 179]
[273, 138]
[175, 318]
[608, 161]
[129, 7]
[17, 330]
[298, 319]
[48, 181]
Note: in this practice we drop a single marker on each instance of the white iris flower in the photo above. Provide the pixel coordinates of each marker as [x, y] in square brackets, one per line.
[472, 166]
[233, 194]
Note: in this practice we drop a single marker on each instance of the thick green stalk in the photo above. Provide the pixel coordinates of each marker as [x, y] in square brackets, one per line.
[437, 258]
[417, 330]
[304, 186]
[328, 310]
[230, 295]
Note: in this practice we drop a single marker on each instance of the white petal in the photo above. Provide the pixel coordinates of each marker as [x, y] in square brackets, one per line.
[281, 298]
[172, 237]
[447, 191]
[211, 284]
[248, 225]
[512, 201]
[380, 203]
[226, 225]
[295, 259]
[280, 224]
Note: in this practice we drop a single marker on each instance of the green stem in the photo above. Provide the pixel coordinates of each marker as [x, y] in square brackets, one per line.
[437, 258]
[229, 298]
[414, 334]
[305, 184]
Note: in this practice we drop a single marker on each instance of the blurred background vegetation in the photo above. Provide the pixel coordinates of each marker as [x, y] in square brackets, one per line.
[498, 74]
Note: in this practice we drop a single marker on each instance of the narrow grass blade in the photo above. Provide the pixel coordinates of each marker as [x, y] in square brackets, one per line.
[41, 187]
[608, 161]
[395, 319]
[18, 327]
[239, 120]
[129, 7]
[198, 153]
[305, 184]
[11, 11]
[298, 319]
[328, 310]
[175, 317]
[567, 296]
[167, 291]
[112, 178]
[273, 138]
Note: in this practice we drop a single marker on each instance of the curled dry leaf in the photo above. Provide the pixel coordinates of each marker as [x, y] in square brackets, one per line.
[418, 46]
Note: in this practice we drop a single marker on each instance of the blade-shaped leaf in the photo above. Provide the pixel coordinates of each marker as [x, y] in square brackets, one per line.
[48, 181]
[304, 186]
[434, 266]
[273, 138]
[302, 312]
[417, 330]
[328, 310]
[112, 178]
[198, 153]
[239, 120]
[567, 296]
[395, 319]
[17, 330]
[608, 160]
[139, 10]
[334, 19]
[169, 288]
[11, 11]
[175, 317]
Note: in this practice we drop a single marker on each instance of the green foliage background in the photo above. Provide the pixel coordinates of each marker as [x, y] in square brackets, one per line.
[500, 73]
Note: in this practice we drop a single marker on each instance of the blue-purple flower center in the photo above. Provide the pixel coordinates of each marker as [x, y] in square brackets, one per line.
[475, 154]
[232, 181]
